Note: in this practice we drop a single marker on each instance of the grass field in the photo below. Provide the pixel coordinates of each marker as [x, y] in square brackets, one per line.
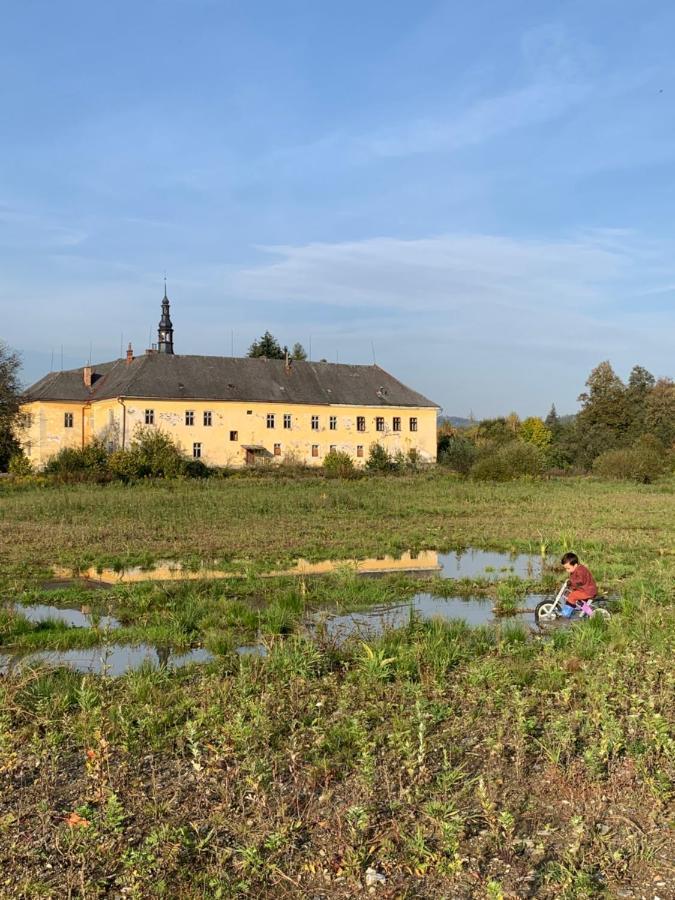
[453, 762]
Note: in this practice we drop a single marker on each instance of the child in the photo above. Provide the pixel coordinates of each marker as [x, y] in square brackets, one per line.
[581, 584]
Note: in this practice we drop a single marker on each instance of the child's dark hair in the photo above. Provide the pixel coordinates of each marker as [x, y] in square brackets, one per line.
[571, 558]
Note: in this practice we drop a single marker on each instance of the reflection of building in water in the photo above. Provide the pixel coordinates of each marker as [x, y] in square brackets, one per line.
[168, 570]
[422, 561]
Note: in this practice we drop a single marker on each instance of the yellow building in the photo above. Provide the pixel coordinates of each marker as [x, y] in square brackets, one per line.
[229, 411]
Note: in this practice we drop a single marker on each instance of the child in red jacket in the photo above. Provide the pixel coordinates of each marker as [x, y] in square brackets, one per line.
[581, 584]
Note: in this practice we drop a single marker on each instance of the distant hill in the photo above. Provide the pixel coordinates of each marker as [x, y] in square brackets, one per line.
[455, 421]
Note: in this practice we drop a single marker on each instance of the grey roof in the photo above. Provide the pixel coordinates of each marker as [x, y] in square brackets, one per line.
[164, 376]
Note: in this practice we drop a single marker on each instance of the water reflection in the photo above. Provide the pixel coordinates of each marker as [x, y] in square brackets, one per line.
[375, 620]
[469, 563]
[81, 617]
[115, 659]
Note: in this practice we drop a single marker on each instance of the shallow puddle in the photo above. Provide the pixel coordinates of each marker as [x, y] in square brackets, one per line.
[252, 650]
[463, 564]
[376, 620]
[78, 618]
[490, 564]
[110, 660]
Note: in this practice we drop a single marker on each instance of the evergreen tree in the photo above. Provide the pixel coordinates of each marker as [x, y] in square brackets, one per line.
[552, 420]
[10, 416]
[267, 346]
[298, 351]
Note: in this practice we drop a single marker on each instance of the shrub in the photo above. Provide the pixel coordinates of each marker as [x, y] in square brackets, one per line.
[458, 454]
[196, 468]
[154, 454]
[514, 460]
[413, 460]
[88, 463]
[643, 462]
[19, 464]
[338, 464]
[379, 460]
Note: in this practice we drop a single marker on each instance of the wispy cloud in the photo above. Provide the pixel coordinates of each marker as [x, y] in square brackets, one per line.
[477, 288]
[19, 228]
[484, 120]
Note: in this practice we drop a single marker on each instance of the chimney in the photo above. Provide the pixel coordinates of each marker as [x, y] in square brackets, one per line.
[130, 354]
[86, 376]
[288, 362]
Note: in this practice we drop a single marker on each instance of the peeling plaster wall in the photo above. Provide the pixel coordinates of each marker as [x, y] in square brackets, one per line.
[108, 421]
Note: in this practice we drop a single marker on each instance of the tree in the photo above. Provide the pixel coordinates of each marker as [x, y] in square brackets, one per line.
[298, 351]
[602, 423]
[267, 346]
[640, 384]
[10, 401]
[660, 411]
[552, 421]
[534, 431]
[513, 423]
[495, 432]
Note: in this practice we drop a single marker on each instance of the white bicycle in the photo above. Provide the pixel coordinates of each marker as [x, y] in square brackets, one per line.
[548, 612]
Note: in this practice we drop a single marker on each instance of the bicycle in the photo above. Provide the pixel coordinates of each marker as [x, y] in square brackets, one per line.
[547, 612]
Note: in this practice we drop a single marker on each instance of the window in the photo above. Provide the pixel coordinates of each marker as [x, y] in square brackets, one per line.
[189, 417]
[149, 417]
[197, 451]
[67, 420]
[315, 423]
[333, 448]
[315, 449]
[413, 424]
[396, 423]
[333, 423]
[277, 449]
[287, 420]
[234, 435]
[270, 420]
[359, 450]
[249, 412]
[208, 417]
[29, 448]
[379, 423]
[360, 423]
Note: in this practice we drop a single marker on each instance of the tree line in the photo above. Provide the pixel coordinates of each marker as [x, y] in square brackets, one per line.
[622, 430]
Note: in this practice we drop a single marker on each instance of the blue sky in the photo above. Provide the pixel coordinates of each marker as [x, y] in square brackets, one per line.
[484, 191]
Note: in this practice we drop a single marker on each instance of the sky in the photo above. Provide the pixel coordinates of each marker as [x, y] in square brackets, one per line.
[478, 196]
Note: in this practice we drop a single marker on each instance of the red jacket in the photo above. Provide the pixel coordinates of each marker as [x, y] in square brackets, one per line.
[582, 584]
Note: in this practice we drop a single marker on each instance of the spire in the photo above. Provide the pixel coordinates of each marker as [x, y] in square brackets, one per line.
[165, 330]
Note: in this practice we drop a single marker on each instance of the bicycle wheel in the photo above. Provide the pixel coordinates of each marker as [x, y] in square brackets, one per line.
[545, 613]
[602, 613]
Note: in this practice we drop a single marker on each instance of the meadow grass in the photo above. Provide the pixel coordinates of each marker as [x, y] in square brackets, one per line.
[270, 521]
[459, 762]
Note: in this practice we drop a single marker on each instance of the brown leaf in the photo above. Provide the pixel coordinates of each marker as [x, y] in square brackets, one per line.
[75, 820]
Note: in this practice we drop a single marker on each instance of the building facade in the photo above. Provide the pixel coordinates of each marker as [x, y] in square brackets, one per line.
[229, 411]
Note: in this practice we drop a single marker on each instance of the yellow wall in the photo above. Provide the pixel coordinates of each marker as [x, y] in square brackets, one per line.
[45, 432]
[113, 420]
